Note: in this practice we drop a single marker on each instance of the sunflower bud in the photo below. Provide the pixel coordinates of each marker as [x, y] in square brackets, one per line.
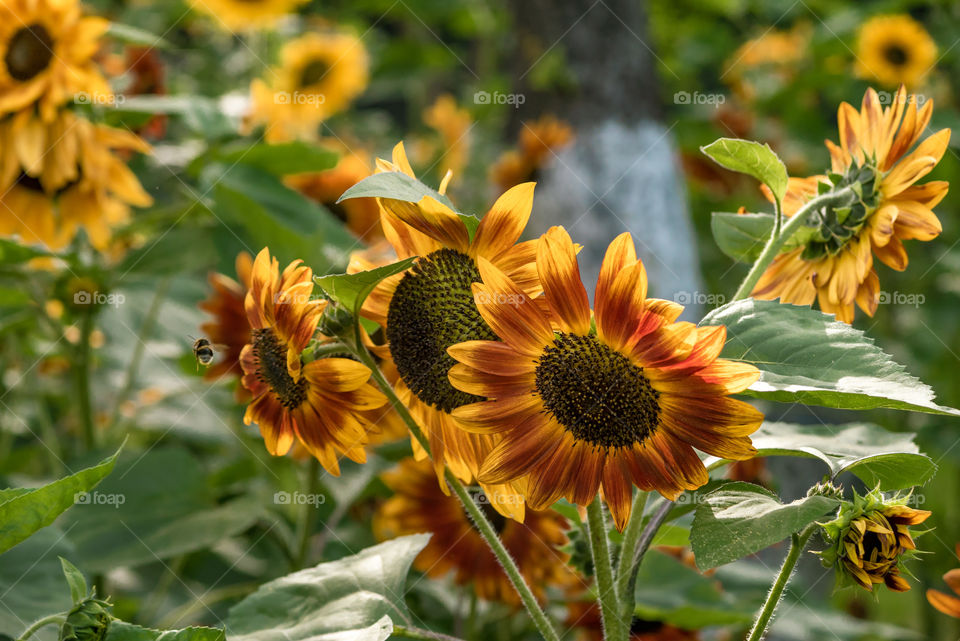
[870, 539]
[89, 620]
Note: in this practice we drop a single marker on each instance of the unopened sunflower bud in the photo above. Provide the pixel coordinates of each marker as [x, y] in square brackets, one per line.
[826, 488]
[870, 539]
[336, 321]
[89, 620]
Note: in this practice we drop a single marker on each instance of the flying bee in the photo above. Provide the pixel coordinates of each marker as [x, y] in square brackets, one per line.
[203, 351]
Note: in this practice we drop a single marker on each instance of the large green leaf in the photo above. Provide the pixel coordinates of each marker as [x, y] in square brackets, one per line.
[751, 158]
[743, 236]
[284, 158]
[396, 185]
[353, 599]
[23, 513]
[350, 290]
[162, 507]
[805, 356]
[122, 631]
[741, 518]
[875, 455]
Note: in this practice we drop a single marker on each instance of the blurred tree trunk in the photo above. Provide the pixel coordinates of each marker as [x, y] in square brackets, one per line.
[591, 63]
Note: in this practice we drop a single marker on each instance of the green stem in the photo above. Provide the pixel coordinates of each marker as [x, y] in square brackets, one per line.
[649, 531]
[797, 543]
[406, 632]
[614, 625]
[631, 535]
[476, 514]
[59, 617]
[307, 514]
[777, 241]
[83, 379]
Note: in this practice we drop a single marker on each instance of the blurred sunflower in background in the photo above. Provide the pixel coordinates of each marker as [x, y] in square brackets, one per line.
[895, 50]
[244, 15]
[430, 307]
[318, 76]
[538, 143]
[419, 505]
[46, 55]
[322, 403]
[765, 64]
[453, 124]
[580, 409]
[881, 154]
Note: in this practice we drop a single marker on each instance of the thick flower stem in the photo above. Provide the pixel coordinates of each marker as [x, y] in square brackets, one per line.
[59, 617]
[777, 240]
[614, 625]
[476, 514]
[797, 543]
[82, 370]
[305, 519]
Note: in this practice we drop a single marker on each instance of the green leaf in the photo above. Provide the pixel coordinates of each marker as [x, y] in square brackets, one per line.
[140, 520]
[669, 591]
[31, 583]
[181, 249]
[396, 185]
[122, 631]
[26, 513]
[200, 114]
[354, 598]
[78, 585]
[284, 158]
[136, 36]
[350, 290]
[13, 253]
[872, 453]
[751, 158]
[741, 518]
[805, 356]
[741, 236]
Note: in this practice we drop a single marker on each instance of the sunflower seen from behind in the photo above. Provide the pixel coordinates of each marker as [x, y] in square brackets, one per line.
[323, 404]
[895, 50]
[580, 409]
[881, 153]
[430, 307]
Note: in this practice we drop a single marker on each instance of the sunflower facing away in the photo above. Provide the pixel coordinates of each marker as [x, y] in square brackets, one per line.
[580, 409]
[46, 55]
[229, 326]
[835, 267]
[59, 176]
[419, 505]
[323, 404]
[895, 50]
[430, 306]
[246, 15]
[319, 75]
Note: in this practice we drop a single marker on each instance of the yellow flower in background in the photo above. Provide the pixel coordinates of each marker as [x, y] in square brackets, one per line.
[581, 406]
[764, 64]
[246, 15]
[538, 142]
[880, 149]
[946, 603]
[453, 124]
[418, 505]
[322, 404]
[63, 175]
[894, 50]
[46, 55]
[318, 76]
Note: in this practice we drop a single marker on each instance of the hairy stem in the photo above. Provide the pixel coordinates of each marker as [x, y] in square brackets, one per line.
[797, 543]
[640, 549]
[614, 625]
[59, 617]
[631, 535]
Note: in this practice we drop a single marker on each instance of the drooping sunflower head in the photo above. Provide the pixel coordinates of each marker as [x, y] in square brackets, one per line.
[46, 55]
[319, 75]
[580, 408]
[326, 403]
[229, 326]
[895, 50]
[246, 15]
[419, 505]
[870, 539]
[880, 155]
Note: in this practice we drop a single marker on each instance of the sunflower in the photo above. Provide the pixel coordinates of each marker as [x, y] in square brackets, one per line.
[46, 55]
[323, 403]
[430, 306]
[61, 175]
[580, 409]
[419, 505]
[538, 141]
[835, 266]
[246, 15]
[949, 605]
[319, 75]
[453, 124]
[229, 327]
[360, 215]
[767, 63]
[895, 50]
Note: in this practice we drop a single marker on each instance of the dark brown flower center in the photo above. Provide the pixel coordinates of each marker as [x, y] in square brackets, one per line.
[432, 309]
[313, 72]
[271, 359]
[29, 52]
[596, 393]
[895, 54]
